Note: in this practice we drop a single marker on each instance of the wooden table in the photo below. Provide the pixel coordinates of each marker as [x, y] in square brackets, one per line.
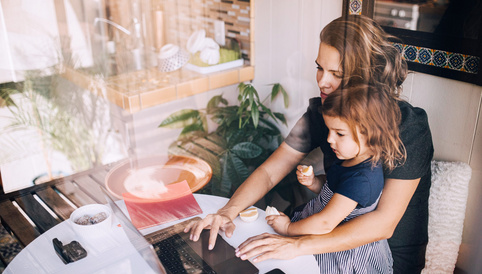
[117, 256]
[49, 204]
[45, 206]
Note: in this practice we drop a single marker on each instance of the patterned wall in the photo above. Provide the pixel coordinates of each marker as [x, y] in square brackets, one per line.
[428, 56]
[439, 58]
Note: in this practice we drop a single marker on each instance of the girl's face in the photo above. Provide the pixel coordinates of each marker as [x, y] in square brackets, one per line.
[342, 140]
[329, 73]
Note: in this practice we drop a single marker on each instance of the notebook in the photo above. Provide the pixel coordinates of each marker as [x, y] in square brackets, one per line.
[175, 204]
[170, 251]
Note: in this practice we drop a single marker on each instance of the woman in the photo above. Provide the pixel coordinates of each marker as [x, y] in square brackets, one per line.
[353, 51]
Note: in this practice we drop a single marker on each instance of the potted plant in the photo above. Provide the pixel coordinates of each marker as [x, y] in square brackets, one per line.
[246, 134]
[47, 114]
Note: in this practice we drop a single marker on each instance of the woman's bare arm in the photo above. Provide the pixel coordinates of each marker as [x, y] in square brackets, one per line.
[264, 178]
[376, 225]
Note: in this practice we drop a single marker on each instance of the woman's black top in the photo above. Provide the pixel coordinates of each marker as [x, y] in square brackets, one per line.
[311, 132]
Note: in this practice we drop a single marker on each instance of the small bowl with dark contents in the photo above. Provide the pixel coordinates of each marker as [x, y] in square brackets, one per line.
[92, 220]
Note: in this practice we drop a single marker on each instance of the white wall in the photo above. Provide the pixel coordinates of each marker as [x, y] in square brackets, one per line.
[286, 46]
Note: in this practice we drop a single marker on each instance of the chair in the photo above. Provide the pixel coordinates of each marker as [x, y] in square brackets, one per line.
[447, 203]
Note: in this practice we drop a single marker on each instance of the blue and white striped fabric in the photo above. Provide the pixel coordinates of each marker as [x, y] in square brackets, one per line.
[374, 257]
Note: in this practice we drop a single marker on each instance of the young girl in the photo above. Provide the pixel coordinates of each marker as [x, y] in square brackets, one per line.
[363, 133]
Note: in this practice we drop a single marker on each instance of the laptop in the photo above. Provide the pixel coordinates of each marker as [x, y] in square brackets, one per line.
[170, 251]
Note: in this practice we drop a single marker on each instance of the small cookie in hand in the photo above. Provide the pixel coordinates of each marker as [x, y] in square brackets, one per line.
[271, 210]
[307, 170]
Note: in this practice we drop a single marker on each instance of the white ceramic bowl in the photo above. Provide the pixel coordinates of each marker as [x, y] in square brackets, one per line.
[171, 58]
[195, 42]
[91, 230]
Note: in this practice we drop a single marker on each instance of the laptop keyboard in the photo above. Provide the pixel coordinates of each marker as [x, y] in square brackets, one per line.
[178, 257]
[175, 254]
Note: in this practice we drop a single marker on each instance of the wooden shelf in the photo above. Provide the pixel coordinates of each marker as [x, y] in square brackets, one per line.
[142, 89]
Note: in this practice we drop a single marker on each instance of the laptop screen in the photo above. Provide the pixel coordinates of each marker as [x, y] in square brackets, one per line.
[221, 259]
[144, 248]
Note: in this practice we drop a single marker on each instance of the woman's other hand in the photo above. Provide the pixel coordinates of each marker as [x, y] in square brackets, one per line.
[269, 246]
[214, 222]
[280, 223]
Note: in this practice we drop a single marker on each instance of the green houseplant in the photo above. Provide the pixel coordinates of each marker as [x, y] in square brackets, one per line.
[46, 114]
[246, 134]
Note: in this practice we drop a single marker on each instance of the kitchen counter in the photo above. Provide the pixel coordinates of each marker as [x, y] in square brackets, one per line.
[142, 89]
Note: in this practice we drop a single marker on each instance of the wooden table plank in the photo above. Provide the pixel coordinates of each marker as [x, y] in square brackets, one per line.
[78, 188]
[91, 188]
[220, 141]
[74, 194]
[209, 145]
[206, 155]
[17, 223]
[37, 213]
[99, 176]
[56, 203]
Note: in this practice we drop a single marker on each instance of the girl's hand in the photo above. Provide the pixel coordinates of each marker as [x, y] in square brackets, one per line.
[306, 179]
[280, 223]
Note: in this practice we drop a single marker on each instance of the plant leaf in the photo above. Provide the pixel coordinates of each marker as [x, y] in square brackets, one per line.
[224, 186]
[286, 98]
[5, 95]
[274, 91]
[247, 150]
[250, 91]
[234, 137]
[214, 103]
[241, 86]
[181, 118]
[255, 116]
[235, 169]
[192, 127]
[269, 125]
[268, 111]
[281, 117]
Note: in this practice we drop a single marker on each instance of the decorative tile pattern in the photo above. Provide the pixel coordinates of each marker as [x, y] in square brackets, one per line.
[355, 7]
[439, 58]
[472, 63]
[410, 53]
[425, 56]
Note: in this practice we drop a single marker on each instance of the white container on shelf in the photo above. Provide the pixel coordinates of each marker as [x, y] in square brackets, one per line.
[215, 68]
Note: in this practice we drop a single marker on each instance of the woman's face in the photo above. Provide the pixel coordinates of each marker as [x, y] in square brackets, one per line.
[329, 73]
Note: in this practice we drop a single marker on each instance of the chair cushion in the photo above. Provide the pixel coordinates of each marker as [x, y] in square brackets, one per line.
[447, 203]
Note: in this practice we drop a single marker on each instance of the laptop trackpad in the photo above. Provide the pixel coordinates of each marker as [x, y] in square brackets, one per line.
[222, 258]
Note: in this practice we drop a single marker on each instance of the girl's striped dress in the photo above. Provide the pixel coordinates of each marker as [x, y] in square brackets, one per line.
[374, 257]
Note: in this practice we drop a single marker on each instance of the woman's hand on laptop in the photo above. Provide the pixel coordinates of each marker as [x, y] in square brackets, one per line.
[268, 246]
[214, 222]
